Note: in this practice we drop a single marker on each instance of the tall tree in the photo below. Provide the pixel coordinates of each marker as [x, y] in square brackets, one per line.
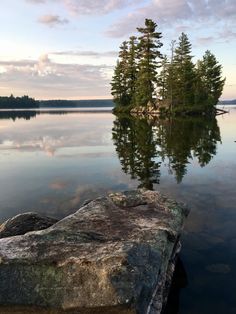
[183, 73]
[148, 54]
[171, 78]
[132, 68]
[210, 78]
[163, 79]
[191, 88]
[117, 88]
[119, 83]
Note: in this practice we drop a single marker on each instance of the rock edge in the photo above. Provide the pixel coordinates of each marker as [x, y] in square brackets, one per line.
[115, 252]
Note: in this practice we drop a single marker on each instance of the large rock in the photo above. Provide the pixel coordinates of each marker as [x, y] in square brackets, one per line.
[114, 255]
[24, 223]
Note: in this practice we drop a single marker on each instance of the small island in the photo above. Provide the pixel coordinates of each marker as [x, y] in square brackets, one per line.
[147, 82]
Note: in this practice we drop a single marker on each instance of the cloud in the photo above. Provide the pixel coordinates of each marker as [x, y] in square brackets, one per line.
[45, 78]
[173, 13]
[205, 40]
[90, 7]
[96, 54]
[36, 1]
[52, 20]
[224, 36]
[17, 63]
[227, 34]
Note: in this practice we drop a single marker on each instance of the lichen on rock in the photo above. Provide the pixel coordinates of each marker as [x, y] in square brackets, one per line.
[116, 252]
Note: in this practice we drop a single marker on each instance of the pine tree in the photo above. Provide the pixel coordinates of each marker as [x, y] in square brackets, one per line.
[183, 73]
[132, 68]
[124, 55]
[163, 80]
[148, 52]
[200, 95]
[180, 83]
[210, 79]
[119, 84]
[171, 81]
[117, 87]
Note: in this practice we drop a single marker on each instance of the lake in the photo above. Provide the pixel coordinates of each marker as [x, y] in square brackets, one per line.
[51, 162]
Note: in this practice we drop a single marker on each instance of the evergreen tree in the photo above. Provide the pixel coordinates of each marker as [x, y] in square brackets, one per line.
[200, 97]
[117, 87]
[148, 52]
[163, 79]
[119, 83]
[183, 73]
[171, 82]
[180, 83]
[132, 68]
[124, 63]
[210, 79]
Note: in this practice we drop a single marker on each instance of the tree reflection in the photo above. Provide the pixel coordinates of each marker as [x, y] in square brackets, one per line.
[29, 114]
[136, 148]
[14, 115]
[144, 145]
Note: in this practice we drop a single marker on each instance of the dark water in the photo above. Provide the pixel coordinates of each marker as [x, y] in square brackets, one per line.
[51, 163]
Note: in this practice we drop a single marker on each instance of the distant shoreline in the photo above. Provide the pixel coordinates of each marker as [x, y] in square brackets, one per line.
[26, 102]
[92, 105]
[227, 102]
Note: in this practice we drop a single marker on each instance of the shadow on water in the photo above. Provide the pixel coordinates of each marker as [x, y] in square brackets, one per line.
[179, 282]
[143, 146]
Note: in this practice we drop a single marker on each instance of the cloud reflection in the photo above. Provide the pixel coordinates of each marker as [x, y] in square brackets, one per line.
[49, 134]
[58, 185]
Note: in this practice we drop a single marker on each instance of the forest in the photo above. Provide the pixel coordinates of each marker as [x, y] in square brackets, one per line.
[143, 76]
[18, 102]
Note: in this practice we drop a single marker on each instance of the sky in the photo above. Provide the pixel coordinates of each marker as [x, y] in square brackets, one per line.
[67, 49]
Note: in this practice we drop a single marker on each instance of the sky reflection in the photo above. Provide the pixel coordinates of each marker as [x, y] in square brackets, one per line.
[53, 163]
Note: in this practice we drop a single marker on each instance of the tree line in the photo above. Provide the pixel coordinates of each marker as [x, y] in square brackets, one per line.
[18, 102]
[144, 75]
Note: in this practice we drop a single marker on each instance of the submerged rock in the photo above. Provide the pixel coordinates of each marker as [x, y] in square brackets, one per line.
[114, 255]
[24, 223]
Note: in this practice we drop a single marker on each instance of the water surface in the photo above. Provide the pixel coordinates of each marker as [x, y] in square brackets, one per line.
[51, 163]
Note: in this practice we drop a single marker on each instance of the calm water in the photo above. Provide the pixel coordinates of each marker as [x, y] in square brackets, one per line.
[51, 163]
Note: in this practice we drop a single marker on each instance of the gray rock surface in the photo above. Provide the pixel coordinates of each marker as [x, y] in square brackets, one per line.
[114, 255]
[24, 223]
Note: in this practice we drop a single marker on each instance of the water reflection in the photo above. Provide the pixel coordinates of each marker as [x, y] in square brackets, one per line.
[27, 114]
[143, 146]
[17, 114]
[32, 113]
[52, 163]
